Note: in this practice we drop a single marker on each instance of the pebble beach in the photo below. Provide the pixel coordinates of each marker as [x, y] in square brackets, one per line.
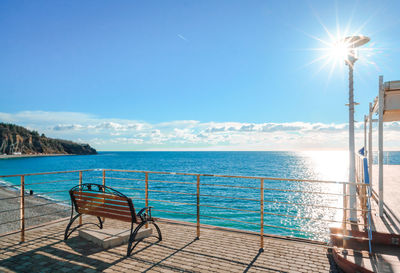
[38, 210]
[5, 156]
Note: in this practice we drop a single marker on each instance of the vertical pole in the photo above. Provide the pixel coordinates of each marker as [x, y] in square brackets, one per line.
[147, 192]
[80, 189]
[345, 212]
[104, 189]
[198, 207]
[365, 135]
[352, 192]
[261, 215]
[381, 105]
[344, 206]
[104, 179]
[370, 153]
[22, 209]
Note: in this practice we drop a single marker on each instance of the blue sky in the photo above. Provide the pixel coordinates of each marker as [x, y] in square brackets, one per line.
[138, 75]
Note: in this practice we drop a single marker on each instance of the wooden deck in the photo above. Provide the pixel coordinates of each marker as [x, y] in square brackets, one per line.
[218, 250]
[390, 222]
[384, 258]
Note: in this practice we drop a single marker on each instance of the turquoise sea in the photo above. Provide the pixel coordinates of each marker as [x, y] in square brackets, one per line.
[308, 214]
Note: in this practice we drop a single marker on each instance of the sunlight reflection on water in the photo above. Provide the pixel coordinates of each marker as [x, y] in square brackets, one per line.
[328, 166]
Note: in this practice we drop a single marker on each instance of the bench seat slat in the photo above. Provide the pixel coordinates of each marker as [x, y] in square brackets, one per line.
[100, 209]
[98, 206]
[105, 215]
[105, 205]
[99, 195]
[103, 201]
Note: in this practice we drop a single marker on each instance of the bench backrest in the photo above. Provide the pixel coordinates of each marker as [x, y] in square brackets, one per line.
[102, 201]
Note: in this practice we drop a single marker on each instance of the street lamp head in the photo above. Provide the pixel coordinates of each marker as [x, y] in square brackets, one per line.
[352, 43]
[356, 41]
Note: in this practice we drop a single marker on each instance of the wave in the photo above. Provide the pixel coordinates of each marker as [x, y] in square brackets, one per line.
[8, 185]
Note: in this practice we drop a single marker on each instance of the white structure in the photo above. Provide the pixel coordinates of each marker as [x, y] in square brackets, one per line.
[387, 106]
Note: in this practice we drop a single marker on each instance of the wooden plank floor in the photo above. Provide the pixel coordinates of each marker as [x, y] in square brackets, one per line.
[218, 250]
[390, 222]
[384, 259]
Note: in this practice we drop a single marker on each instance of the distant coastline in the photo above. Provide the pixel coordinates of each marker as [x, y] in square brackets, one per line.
[31, 155]
[17, 140]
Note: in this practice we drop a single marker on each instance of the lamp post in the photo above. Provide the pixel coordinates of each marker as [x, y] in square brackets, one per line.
[352, 43]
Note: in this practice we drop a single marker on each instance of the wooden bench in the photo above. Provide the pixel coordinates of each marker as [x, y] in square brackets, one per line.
[105, 202]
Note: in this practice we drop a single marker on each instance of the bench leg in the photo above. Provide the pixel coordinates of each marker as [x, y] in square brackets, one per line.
[132, 238]
[66, 234]
[101, 223]
[158, 231]
[135, 232]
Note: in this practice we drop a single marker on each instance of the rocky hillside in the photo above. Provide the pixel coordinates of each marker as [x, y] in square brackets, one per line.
[17, 139]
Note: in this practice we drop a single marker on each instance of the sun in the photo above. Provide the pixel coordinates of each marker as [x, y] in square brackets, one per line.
[346, 49]
[339, 45]
[340, 48]
[338, 51]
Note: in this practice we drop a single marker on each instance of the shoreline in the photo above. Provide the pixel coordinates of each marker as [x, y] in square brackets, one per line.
[32, 155]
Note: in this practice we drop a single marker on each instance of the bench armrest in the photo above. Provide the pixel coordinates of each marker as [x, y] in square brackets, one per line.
[143, 215]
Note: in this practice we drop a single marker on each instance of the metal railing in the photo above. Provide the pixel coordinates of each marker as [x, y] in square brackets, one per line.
[364, 192]
[265, 198]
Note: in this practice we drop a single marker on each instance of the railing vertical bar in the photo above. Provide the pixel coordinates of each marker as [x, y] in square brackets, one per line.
[344, 225]
[198, 207]
[344, 206]
[381, 105]
[147, 193]
[104, 189]
[104, 179]
[22, 209]
[80, 189]
[370, 153]
[368, 201]
[262, 215]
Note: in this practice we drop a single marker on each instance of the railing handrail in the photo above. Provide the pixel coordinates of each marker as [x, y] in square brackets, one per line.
[190, 174]
[197, 193]
[45, 173]
[237, 176]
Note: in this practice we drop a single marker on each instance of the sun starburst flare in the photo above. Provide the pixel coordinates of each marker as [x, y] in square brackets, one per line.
[338, 48]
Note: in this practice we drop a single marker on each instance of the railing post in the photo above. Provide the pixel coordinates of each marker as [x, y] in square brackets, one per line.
[365, 190]
[370, 154]
[365, 135]
[104, 179]
[344, 206]
[344, 224]
[381, 105]
[22, 209]
[104, 189]
[146, 193]
[198, 208]
[80, 189]
[262, 215]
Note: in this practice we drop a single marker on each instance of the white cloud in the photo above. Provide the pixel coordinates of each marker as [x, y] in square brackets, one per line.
[123, 134]
[66, 127]
[126, 140]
